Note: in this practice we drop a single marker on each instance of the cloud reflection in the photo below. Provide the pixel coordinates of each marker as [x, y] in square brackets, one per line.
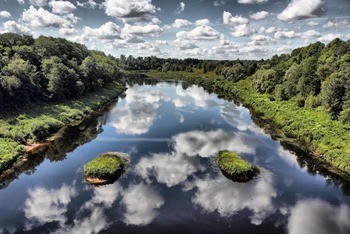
[141, 202]
[137, 115]
[315, 216]
[47, 205]
[227, 197]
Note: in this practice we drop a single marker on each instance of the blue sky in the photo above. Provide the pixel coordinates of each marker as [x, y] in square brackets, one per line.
[208, 29]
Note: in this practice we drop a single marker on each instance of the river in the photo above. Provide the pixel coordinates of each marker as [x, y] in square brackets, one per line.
[172, 133]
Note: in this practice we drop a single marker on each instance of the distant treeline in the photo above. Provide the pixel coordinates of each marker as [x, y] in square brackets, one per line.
[316, 76]
[49, 69]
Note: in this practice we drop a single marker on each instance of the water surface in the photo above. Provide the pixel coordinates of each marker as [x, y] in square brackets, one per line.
[173, 185]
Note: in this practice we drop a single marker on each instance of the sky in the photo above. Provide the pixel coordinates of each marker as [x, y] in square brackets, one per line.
[204, 29]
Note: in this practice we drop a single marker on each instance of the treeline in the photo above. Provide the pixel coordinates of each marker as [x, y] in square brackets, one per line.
[315, 76]
[49, 69]
[173, 64]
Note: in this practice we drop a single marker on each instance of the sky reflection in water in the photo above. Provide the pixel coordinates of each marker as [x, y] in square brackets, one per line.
[172, 134]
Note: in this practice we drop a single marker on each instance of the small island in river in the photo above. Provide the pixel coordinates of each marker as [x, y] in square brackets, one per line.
[106, 168]
[236, 168]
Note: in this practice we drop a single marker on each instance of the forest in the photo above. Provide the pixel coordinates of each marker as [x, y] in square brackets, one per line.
[49, 69]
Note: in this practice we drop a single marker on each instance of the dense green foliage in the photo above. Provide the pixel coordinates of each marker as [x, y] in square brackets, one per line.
[106, 166]
[49, 69]
[236, 167]
[10, 150]
[37, 123]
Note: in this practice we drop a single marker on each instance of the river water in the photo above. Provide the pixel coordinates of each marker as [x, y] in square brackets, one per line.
[172, 133]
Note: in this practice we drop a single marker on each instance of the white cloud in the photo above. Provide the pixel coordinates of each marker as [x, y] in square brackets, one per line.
[14, 27]
[5, 14]
[38, 3]
[309, 34]
[227, 197]
[20, 1]
[202, 22]
[251, 1]
[337, 24]
[259, 15]
[180, 8]
[41, 18]
[315, 216]
[142, 30]
[312, 23]
[218, 3]
[129, 9]
[44, 206]
[238, 24]
[299, 9]
[181, 23]
[199, 33]
[141, 202]
[271, 30]
[285, 34]
[331, 36]
[108, 31]
[91, 4]
[62, 7]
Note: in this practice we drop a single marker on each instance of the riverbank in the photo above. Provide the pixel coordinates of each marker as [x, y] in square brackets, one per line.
[312, 130]
[40, 123]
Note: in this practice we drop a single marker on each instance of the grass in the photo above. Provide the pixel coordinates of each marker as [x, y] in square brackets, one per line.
[312, 129]
[235, 167]
[107, 166]
[38, 123]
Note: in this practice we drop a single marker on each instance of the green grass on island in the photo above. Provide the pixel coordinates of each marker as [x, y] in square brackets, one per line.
[233, 166]
[108, 166]
[37, 123]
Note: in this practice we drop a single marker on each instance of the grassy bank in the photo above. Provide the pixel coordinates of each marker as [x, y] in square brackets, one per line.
[38, 123]
[326, 139]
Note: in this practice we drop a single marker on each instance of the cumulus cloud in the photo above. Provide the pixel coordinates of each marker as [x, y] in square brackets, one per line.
[141, 202]
[331, 36]
[238, 24]
[309, 34]
[180, 8]
[300, 9]
[202, 22]
[107, 31]
[199, 33]
[315, 216]
[142, 30]
[227, 197]
[259, 15]
[91, 4]
[14, 27]
[251, 1]
[62, 7]
[38, 3]
[129, 9]
[181, 23]
[285, 34]
[334, 23]
[41, 18]
[5, 14]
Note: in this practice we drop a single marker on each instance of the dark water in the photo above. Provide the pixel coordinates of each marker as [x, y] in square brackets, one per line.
[173, 185]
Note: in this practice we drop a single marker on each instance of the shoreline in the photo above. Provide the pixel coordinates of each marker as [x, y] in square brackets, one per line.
[236, 92]
[85, 107]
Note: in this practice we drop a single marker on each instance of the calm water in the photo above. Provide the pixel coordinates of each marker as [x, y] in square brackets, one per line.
[173, 184]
